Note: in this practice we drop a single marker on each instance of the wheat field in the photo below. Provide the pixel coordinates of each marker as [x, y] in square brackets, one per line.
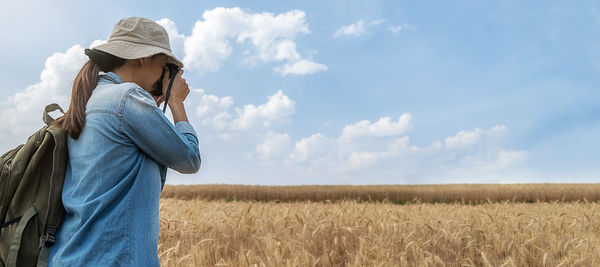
[197, 232]
[463, 193]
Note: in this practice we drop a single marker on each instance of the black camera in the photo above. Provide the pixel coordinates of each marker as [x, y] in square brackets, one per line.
[157, 88]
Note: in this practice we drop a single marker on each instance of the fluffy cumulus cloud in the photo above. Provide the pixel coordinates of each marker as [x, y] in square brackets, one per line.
[383, 146]
[274, 146]
[463, 138]
[315, 149]
[384, 127]
[362, 159]
[278, 109]
[354, 29]
[213, 110]
[301, 67]
[21, 113]
[220, 114]
[270, 36]
[380, 148]
[507, 158]
[361, 27]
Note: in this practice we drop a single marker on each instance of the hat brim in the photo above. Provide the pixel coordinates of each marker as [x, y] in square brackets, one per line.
[128, 50]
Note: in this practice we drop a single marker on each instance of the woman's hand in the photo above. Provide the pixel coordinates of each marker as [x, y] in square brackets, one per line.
[179, 89]
[179, 92]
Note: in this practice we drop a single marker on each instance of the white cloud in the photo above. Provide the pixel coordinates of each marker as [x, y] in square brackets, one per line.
[376, 22]
[463, 138]
[208, 46]
[506, 158]
[499, 128]
[428, 150]
[355, 29]
[266, 32]
[362, 159]
[345, 153]
[497, 131]
[21, 113]
[213, 111]
[315, 149]
[302, 67]
[286, 50]
[494, 166]
[468, 138]
[384, 127]
[360, 28]
[217, 112]
[398, 146]
[274, 146]
[213, 104]
[399, 28]
[349, 154]
[278, 109]
[271, 37]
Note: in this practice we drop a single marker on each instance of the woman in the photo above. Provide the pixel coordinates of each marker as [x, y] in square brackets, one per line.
[120, 145]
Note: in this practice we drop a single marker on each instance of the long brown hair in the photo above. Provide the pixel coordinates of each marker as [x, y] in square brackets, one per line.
[83, 85]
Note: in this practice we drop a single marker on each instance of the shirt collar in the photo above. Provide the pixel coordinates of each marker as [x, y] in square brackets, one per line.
[114, 76]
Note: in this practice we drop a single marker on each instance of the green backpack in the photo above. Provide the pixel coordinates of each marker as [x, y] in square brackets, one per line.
[31, 209]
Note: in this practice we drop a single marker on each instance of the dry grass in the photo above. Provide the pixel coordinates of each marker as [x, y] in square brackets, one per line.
[349, 233]
[464, 193]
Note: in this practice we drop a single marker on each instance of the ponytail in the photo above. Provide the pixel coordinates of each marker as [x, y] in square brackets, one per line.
[84, 84]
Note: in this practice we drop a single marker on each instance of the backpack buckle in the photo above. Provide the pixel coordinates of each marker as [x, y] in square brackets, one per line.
[48, 238]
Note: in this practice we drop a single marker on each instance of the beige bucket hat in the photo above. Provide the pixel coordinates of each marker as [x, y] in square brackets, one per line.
[137, 37]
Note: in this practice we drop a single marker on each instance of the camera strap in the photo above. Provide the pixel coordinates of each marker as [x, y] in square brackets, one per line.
[168, 93]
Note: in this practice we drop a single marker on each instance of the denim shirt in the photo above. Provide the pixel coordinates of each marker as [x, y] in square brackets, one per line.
[116, 170]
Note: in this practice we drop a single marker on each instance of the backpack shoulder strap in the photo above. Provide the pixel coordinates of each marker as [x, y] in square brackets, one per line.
[15, 244]
[59, 163]
[55, 213]
[49, 108]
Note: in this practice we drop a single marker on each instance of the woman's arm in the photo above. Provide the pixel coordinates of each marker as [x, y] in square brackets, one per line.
[175, 146]
[179, 93]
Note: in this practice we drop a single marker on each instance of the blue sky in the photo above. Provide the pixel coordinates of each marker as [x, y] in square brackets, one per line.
[346, 92]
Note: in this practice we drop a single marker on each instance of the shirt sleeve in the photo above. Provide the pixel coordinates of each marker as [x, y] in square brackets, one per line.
[175, 146]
